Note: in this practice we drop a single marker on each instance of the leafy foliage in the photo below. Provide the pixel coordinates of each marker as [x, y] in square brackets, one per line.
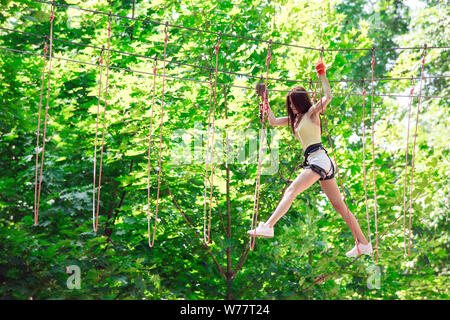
[305, 260]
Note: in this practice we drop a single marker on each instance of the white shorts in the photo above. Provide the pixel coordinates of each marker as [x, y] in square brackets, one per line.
[321, 160]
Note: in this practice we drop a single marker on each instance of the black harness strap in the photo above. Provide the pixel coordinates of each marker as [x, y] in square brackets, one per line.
[320, 171]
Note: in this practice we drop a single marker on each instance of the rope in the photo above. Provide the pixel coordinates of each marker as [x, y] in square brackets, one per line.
[364, 166]
[250, 76]
[335, 161]
[227, 84]
[284, 179]
[94, 211]
[95, 222]
[148, 158]
[206, 165]
[236, 36]
[406, 165]
[264, 113]
[211, 129]
[313, 88]
[152, 242]
[414, 148]
[373, 156]
[37, 135]
[36, 215]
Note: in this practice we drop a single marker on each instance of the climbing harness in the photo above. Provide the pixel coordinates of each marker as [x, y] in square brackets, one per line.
[324, 175]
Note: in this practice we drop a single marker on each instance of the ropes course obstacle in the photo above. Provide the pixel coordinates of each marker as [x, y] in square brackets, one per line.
[155, 22]
[151, 240]
[246, 75]
[94, 208]
[406, 164]
[148, 158]
[37, 195]
[210, 148]
[414, 149]
[243, 87]
[96, 204]
[264, 114]
[38, 186]
[372, 63]
[364, 164]
[36, 213]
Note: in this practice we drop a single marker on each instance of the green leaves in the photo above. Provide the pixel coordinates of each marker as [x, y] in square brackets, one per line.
[310, 242]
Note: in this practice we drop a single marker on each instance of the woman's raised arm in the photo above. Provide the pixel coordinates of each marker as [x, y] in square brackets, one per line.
[322, 104]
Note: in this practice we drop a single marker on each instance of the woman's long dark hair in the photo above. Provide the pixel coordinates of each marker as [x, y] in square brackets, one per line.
[301, 102]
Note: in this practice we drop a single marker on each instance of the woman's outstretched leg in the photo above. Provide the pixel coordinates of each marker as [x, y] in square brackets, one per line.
[300, 184]
[331, 189]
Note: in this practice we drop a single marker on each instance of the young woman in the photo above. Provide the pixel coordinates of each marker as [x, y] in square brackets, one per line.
[304, 120]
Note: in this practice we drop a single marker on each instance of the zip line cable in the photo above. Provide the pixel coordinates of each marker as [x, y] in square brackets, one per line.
[220, 84]
[219, 71]
[232, 35]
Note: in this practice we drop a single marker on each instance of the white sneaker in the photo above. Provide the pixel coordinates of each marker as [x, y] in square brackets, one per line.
[363, 249]
[263, 230]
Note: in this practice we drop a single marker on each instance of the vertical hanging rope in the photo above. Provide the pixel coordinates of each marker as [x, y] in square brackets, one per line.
[364, 164]
[132, 18]
[411, 98]
[95, 219]
[414, 146]
[264, 113]
[94, 215]
[149, 152]
[207, 158]
[334, 157]
[44, 60]
[36, 214]
[313, 90]
[151, 242]
[373, 155]
[211, 128]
